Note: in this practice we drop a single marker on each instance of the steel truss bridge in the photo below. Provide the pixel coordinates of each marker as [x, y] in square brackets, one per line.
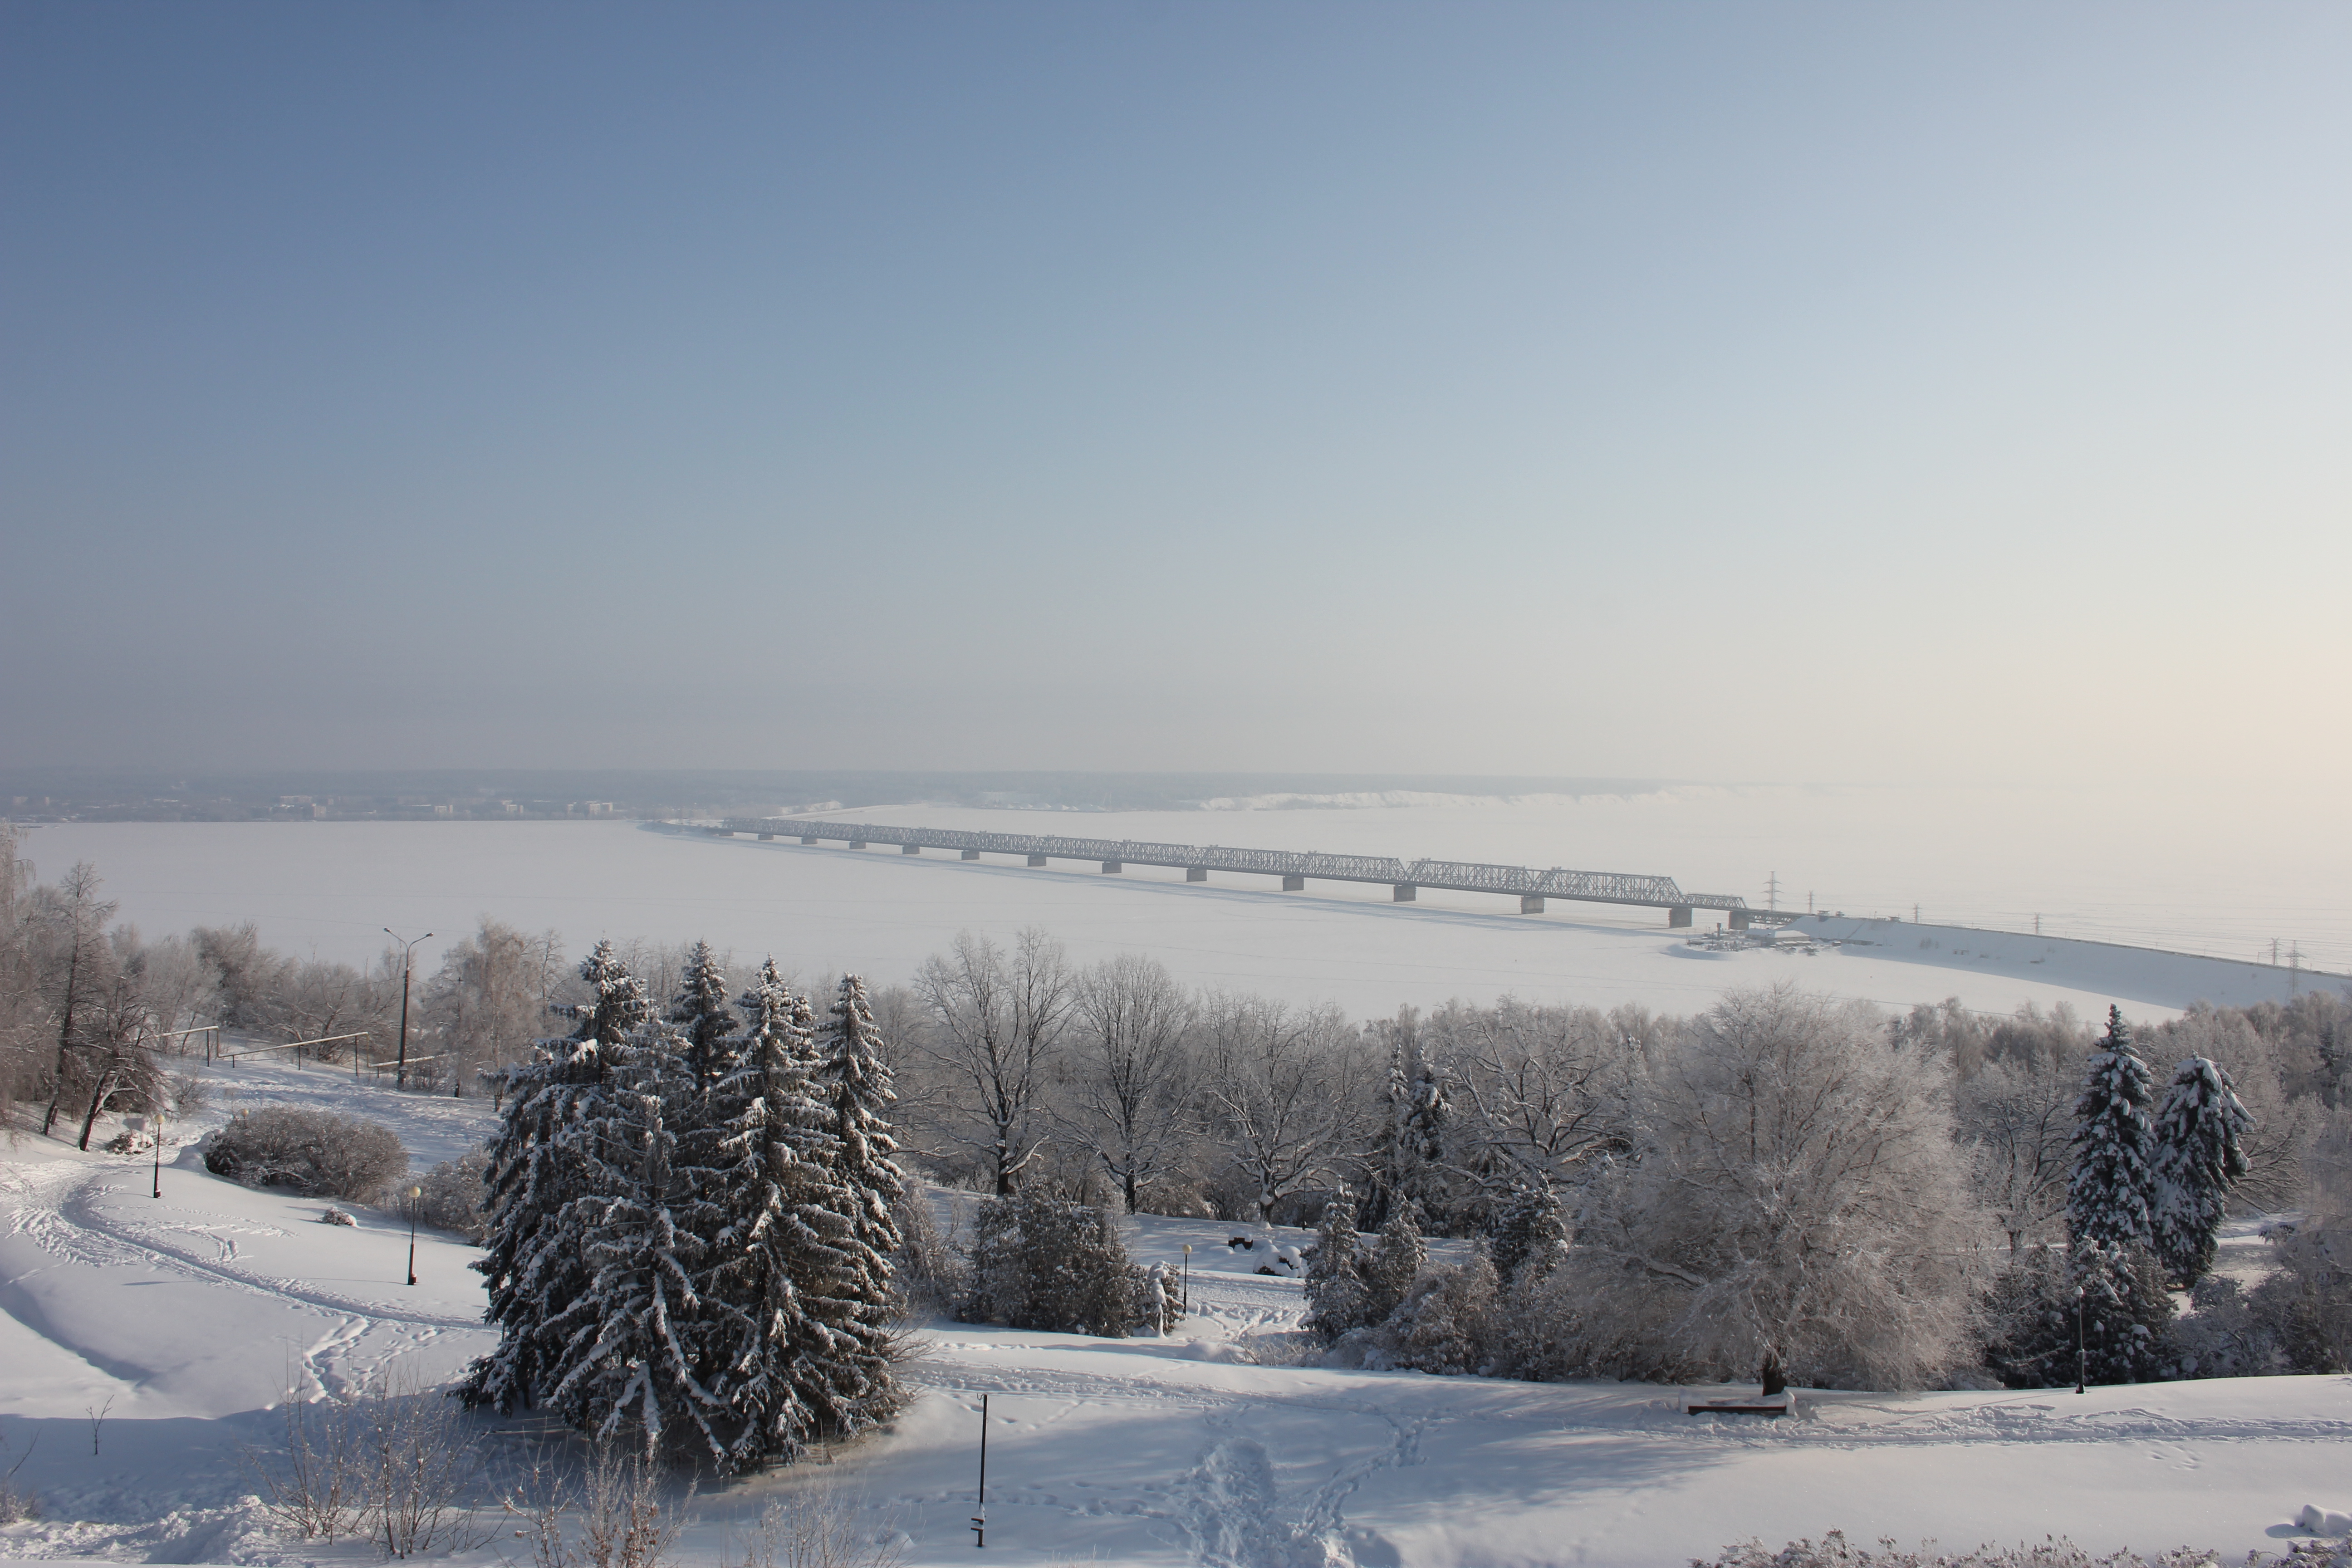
[1404, 879]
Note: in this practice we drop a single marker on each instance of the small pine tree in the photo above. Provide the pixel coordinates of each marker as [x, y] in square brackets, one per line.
[1335, 1285]
[700, 1010]
[1395, 1262]
[1530, 1231]
[2198, 1157]
[2107, 1195]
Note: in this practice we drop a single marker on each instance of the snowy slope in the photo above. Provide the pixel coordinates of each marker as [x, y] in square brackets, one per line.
[1196, 1448]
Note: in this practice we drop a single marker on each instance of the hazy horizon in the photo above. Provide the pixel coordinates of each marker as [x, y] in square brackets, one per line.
[1817, 393]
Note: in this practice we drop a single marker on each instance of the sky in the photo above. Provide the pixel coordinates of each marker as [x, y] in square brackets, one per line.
[1790, 392]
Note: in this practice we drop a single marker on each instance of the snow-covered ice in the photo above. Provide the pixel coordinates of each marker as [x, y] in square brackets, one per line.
[330, 888]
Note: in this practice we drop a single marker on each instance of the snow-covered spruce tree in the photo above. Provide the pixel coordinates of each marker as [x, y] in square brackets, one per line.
[1394, 1262]
[1530, 1229]
[540, 1168]
[851, 1086]
[776, 1260]
[701, 1011]
[2107, 1195]
[637, 1342]
[2198, 1159]
[1335, 1283]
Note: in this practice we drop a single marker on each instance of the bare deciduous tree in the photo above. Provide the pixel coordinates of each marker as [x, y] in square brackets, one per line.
[1128, 1070]
[1286, 1091]
[998, 1020]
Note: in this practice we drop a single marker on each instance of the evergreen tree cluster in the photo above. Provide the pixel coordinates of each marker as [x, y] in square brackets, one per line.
[689, 1220]
[2144, 1202]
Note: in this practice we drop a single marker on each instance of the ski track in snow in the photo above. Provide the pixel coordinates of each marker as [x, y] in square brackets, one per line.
[73, 1228]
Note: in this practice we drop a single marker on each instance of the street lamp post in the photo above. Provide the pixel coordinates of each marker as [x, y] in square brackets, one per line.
[407, 955]
[159, 1153]
[2082, 1357]
[415, 1193]
[1188, 1279]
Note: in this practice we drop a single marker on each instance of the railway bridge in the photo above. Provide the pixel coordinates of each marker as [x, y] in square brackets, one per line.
[1404, 879]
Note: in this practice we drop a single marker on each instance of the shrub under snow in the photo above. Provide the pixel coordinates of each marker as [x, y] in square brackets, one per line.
[1040, 1263]
[451, 1194]
[317, 1153]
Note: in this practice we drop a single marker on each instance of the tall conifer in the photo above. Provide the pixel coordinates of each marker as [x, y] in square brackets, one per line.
[2198, 1157]
[2107, 1195]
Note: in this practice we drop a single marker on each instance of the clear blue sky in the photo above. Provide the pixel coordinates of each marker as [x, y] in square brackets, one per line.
[1720, 392]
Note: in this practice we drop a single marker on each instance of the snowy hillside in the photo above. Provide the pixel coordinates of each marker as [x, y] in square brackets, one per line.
[177, 1320]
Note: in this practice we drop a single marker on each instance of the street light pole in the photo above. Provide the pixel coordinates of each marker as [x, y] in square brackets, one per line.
[407, 955]
[2082, 1357]
[415, 1193]
[159, 1153]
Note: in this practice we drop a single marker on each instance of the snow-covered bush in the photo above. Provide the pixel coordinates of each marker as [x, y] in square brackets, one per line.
[1530, 1226]
[1040, 1263]
[1446, 1324]
[819, 1527]
[1834, 1551]
[2315, 1256]
[317, 1153]
[929, 1273]
[450, 1196]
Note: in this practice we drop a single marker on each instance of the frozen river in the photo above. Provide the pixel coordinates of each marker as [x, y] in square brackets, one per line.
[2222, 878]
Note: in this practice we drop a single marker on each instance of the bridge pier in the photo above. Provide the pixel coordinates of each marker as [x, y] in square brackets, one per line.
[808, 840]
[910, 849]
[971, 853]
[1196, 873]
[1112, 867]
[1738, 920]
[857, 844]
[1678, 917]
[1531, 903]
[1403, 893]
[1294, 884]
[1037, 859]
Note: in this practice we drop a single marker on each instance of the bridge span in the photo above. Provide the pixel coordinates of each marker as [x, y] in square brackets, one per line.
[1404, 879]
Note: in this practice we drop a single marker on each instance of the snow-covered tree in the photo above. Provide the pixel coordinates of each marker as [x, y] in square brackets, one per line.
[1530, 1230]
[852, 1086]
[1795, 1194]
[2107, 1195]
[2197, 1160]
[1393, 1263]
[997, 1021]
[1407, 1161]
[1284, 1093]
[635, 1343]
[775, 1256]
[1335, 1282]
[543, 1163]
[701, 1011]
[1129, 1068]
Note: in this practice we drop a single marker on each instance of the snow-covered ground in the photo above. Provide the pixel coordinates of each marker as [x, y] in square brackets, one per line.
[330, 888]
[179, 1318]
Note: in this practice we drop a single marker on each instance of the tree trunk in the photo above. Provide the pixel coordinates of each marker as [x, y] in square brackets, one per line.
[105, 1087]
